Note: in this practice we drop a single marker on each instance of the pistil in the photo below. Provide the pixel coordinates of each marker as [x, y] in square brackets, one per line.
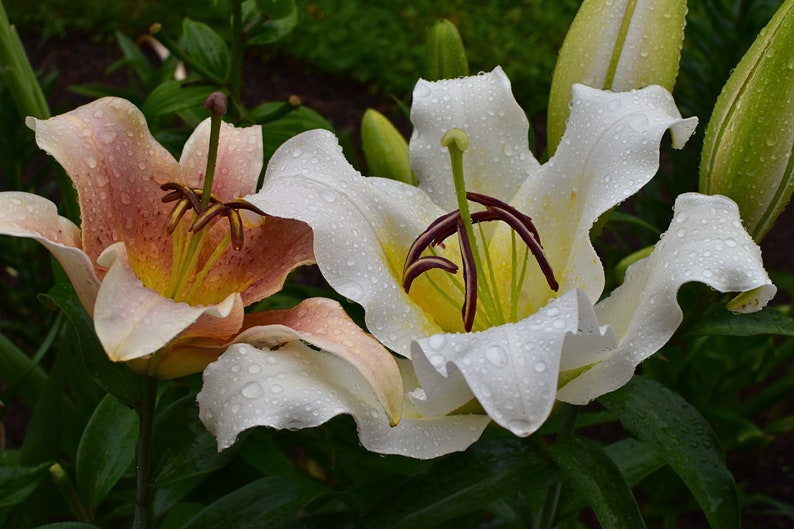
[206, 208]
[462, 222]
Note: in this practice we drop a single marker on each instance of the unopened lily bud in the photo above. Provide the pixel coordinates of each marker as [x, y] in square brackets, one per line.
[446, 56]
[385, 149]
[616, 45]
[748, 145]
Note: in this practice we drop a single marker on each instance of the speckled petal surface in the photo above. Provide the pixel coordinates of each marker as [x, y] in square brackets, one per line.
[133, 321]
[28, 215]
[239, 162]
[324, 324]
[512, 369]
[297, 387]
[117, 167]
[362, 227]
[609, 151]
[705, 243]
[498, 159]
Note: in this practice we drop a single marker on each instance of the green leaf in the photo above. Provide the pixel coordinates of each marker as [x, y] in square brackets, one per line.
[460, 484]
[659, 417]
[281, 17]
[174, 96]
[274, 499]
[18, 482]
[206, 47]
[20, 373]
[633, 458]
[106, 449]
[598, 479]
[720, 321]
[115, 378]
[181, 446]
[299, 120]
[68, 525]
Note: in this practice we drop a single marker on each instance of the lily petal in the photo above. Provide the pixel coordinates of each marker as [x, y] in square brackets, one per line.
[324, 324]
[28, 215]
[706, 243]
[609, 151]
[117, 167]
[238, 164]
[484, 107]
[133, 321]
[512, 369]
[363, 228]
[298, 387]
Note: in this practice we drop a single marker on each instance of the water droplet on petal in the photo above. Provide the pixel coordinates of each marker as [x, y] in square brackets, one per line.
[252, 390]
[496, 356]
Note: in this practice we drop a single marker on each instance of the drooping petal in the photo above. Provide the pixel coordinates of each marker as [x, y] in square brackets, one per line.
[28, 215]
[363, 228]
[498, 159]
[298, 387]
[324, 324]
[609, 151]
[706, 243]
[117, 167]
[237, 167]
[133, 321]
[512, 369]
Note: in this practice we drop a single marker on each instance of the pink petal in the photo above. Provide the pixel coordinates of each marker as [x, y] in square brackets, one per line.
[117, 167]
[27, 215]
[239, 162]
[133, 321]
[324, 324]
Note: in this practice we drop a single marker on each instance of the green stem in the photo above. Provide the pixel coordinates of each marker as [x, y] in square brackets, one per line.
[216, 104]
[143, 493]
[67, 490]
[236, 64]
[568, 424]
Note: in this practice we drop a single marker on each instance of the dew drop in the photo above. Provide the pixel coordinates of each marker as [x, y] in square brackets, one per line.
[276, 388]
[252, 390]
[496, 356]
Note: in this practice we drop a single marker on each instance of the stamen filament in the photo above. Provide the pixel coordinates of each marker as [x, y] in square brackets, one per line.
[216, 254]
[490, 283]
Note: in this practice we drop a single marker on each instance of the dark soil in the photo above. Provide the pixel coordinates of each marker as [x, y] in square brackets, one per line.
[77, 59]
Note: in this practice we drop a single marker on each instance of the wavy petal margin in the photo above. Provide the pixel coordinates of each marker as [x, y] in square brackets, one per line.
[706, 243]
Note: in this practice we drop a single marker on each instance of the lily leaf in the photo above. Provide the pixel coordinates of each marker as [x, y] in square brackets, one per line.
[460, 484]
[106, 449]
[206, 47]
[662, 419]
[596, 476]
[720, 321]
[273, 498]
[182, 447]
[17, 482]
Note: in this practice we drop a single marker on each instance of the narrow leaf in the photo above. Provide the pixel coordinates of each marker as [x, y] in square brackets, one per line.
[274, 499]
[723, 322]
[661, 418]
[106, 449]
[17, 482]
[598, 480]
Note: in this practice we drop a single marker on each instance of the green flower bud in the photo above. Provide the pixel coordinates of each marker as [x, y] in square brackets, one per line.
[747, 149]
[616, 45]
[446, 56]
[385, 149]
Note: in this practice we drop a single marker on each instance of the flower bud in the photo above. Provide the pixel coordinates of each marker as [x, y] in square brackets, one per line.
[747, 149]
[616, 45]
[446, 56]
[385, 149]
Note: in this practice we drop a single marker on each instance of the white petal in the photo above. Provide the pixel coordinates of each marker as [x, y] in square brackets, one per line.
[609, 151]
[362, 227]
[512, 369]
[133, 321]
[28, 215]
[498, 159]
[297, 387]
[706, 243]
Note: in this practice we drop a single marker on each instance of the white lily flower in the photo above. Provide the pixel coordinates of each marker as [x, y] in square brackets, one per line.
[517, 338]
